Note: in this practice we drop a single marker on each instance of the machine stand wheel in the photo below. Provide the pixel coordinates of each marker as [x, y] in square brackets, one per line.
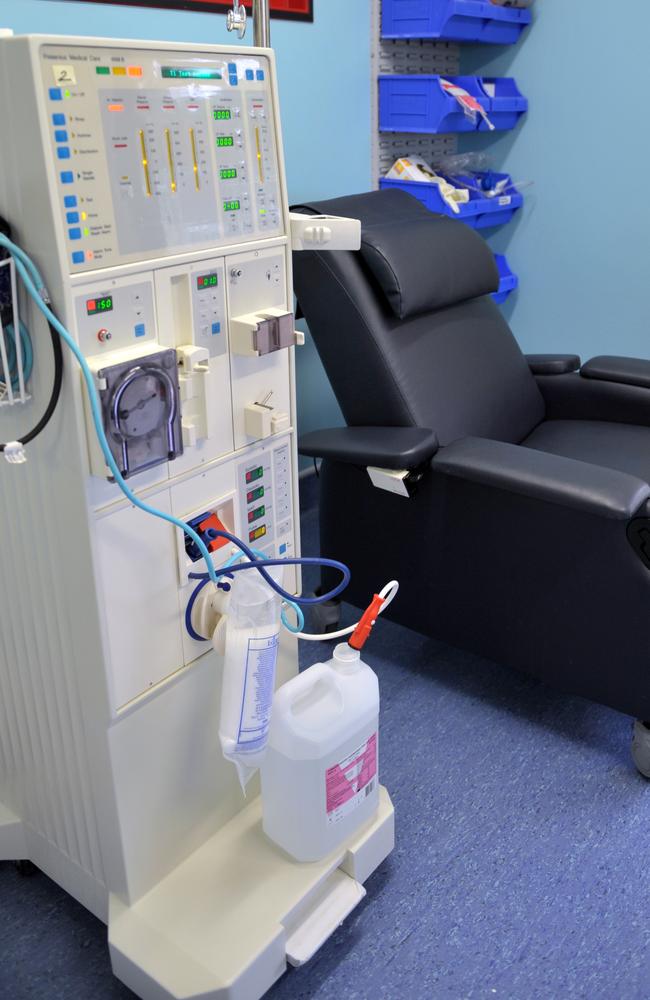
[325, 617]
[25, 868]
[641, 747]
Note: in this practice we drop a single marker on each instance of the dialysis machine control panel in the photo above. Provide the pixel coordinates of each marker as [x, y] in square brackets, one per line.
[159, 152]
[160, 174]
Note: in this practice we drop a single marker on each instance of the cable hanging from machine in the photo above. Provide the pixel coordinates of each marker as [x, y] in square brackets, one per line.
[57, 380]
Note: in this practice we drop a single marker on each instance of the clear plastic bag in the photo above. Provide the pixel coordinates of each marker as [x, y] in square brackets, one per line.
[252, 643]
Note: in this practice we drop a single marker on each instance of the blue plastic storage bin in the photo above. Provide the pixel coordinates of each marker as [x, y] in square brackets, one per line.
[418, 103]
[479, 212]
[453, 20]
[507, 103]
[508, 279]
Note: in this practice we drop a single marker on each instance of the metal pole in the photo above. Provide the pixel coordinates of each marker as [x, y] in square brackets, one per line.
[261, 24]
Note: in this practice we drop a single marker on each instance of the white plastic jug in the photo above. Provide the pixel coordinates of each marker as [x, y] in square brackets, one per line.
[320, 774]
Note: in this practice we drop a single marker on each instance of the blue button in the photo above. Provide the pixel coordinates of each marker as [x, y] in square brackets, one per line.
[233, 81]
[70, 201]
[232, 68]
[74, 234]
[260, 74]
[78, 257]
[56, 94]
[139, 329]
[58, 119]
[283, 548]
[67, 177]
[249, 74]
[63, 152]
[61, 135]
[72, 217]
[216, 328]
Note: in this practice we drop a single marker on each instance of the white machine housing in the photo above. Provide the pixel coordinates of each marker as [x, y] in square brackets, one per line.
[147, 181]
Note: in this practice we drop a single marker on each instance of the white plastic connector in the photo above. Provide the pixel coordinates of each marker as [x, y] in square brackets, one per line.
[324, 232]
[14, 452]
[193, 380]
[257, 421]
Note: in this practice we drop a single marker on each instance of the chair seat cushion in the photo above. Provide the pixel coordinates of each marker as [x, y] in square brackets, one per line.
[625, 447]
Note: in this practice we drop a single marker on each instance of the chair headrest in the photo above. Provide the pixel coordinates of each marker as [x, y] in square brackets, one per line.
[422, 262]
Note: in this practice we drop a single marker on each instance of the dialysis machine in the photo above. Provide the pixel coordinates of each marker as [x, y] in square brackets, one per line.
[147, 182]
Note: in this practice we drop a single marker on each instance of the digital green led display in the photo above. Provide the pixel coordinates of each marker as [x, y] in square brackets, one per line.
[189, 73]
[253, 515]
[225, 141]
[207, 281]
[228, 174]
[102, 305]
[255, 494]
[231, 206]
[222, 114]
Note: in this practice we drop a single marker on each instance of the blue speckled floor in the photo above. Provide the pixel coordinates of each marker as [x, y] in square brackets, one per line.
[521, 868]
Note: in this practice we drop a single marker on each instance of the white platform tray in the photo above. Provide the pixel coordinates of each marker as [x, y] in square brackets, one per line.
[224, 924]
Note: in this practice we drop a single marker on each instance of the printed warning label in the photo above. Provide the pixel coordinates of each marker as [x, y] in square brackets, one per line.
[348, 783]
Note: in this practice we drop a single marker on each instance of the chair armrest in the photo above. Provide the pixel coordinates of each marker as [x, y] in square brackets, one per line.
[629, 371]
[385, 447]
[552, 364]
[542, 476]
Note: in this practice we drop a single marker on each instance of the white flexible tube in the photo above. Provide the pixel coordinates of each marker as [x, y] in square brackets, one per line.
[389, 593]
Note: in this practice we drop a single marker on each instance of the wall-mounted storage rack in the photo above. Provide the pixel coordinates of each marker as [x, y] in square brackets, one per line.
[414, 45]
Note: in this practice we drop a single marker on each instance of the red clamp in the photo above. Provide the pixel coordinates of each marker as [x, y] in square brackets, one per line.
[358, 638]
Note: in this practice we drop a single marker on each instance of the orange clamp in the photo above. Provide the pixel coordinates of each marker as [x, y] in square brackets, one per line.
[358, 638]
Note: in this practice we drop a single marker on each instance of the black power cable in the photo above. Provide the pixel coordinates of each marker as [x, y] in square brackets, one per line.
[58, 373]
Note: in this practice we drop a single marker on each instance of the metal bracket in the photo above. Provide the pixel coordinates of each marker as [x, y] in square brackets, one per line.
[236, 20]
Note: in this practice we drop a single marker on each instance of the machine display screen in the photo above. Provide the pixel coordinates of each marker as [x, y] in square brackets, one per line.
[189, 73]
[224, 141]
[96, 306]
[255, 494]
[222, 114]
[231, 206]
[207, 281]
[257, 533]
[253, 515]
[228, 173]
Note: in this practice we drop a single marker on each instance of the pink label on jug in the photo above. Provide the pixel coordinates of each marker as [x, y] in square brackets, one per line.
[351, 781]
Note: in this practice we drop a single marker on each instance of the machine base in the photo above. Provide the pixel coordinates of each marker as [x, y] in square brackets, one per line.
[224, 924]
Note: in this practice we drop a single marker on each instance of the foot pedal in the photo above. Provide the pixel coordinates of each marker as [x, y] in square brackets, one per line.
[335, 900]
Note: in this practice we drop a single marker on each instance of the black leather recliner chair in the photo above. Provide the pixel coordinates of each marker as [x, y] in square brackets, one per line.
[526, 534]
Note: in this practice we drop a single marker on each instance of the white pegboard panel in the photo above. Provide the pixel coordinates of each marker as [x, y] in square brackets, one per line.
[406, 56]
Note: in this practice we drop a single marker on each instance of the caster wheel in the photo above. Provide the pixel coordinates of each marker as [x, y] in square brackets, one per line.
[25, 868]
[326, 617]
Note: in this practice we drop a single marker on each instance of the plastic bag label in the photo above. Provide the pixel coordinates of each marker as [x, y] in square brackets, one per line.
[257, 695]
[351, 781]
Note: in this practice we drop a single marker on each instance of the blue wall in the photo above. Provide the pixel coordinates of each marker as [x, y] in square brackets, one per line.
[581, 246]
[324, 67]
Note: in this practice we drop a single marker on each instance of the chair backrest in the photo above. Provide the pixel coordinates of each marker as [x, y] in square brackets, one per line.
[405, 329]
